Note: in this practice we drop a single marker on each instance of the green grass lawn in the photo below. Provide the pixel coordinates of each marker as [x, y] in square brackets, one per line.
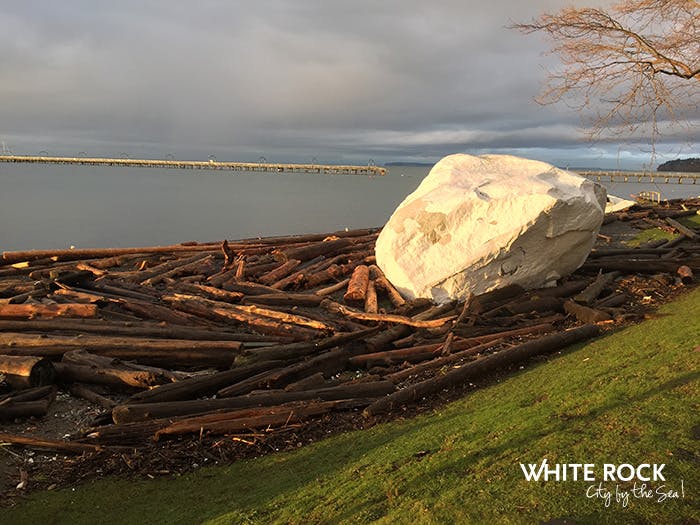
[631, 397]
[653, 234]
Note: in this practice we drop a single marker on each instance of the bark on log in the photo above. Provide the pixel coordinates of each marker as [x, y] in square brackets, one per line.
[97, 253]
[208, 292]
[145, 411]
[391, 292]
[691, 234]
[271, 277]
[305, 253]
[328, 290]
[300, 349]
[50, 444]
[371, 306]
[285, 299]
[338, 308]
[640, 266]
[142, 329]
[441, 361]
[592, 291]
[248, 288]
[131, 374]
[357, 286]
[15, 409]
[481, 367]
[585, 314]
[686, 274]
[27, 371]
[84, 392]
[31, 311]
[29, 394]
[261, 319]
[149, 311]
[261, 324]
[201, 386]
[245, 419]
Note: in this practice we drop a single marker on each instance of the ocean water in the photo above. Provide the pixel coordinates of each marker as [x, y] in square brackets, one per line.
[58, 206]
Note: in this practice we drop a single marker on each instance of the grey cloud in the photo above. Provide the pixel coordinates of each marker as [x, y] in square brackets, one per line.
[342, 80]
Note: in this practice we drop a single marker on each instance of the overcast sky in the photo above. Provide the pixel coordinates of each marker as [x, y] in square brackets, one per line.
[295, 80]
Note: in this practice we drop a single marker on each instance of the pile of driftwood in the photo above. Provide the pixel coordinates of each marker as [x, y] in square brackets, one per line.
[221, 338]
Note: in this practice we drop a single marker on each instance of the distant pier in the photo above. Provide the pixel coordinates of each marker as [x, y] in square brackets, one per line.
[201, 165]
[664, 177]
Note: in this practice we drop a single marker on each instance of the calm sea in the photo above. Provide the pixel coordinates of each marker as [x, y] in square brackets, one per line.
[52, 206]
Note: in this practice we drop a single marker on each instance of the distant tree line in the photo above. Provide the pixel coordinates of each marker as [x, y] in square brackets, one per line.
[682, 165]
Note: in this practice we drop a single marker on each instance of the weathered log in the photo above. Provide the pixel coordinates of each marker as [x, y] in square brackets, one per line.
[29, 394]
[278, 273]
[239, 420]
[143, 329]
[14, 409]
[50, 444]
[685, 273]
[304, 348]
[124, 290]
[311, 382]
[639, 266]
[143, 412]
[413, 354]
[285, 299]
[371, 306]
[391, 292]
[183, 268]
[224, 276]
[338, 308]
[202, 385]
[612, 300]
[261, 319]
[30, 311]
[534, 304]
[688, 232]
[481, 367]
[27, 371]
[165, 357]
[490, 300]
[357, 286]
[328, 290]
[248, 288]
[97, 344]
[156, 312]
[97, 253]
[584, 313]
[328, 363]
[593, 290]
[85, 392]
[74, 296]
[566, 289]
[112, 371]
[208, 292]
[442, 361]
[305, 253]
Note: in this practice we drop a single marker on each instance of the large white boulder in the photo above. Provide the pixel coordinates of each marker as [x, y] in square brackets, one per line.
[479, 223]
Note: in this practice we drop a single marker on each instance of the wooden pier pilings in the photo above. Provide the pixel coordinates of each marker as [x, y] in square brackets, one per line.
[204, 165]
[663, 177]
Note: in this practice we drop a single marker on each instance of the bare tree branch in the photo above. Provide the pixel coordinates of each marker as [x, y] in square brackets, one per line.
[633, 66]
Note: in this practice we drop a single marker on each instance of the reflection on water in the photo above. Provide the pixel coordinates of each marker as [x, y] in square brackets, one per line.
[59, 206]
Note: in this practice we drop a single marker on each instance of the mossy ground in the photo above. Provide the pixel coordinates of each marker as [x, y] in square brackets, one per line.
[630, 397]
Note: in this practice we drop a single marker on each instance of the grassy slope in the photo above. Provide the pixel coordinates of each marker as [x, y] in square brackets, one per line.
[631, 397]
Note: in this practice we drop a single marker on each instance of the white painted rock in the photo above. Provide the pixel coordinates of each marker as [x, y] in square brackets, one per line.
[479, 223]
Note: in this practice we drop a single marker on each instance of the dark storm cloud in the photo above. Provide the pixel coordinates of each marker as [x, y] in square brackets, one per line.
[285, 79]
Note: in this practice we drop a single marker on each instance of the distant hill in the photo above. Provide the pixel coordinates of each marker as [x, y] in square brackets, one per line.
[682, 165]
